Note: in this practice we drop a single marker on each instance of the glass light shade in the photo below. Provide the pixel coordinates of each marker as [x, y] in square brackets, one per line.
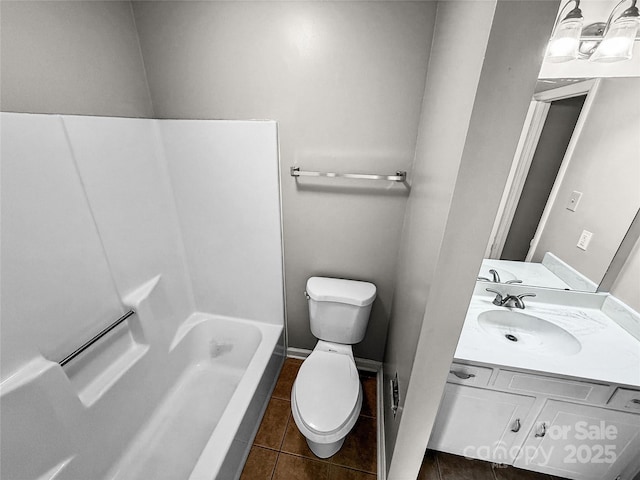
[563, 46]
[618, 42]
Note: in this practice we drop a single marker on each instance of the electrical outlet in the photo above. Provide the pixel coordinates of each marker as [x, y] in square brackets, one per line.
[585, 238]
[574, 199]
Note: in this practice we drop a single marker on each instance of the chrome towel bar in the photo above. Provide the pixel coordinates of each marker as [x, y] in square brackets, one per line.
[86, 345]
[400, 175]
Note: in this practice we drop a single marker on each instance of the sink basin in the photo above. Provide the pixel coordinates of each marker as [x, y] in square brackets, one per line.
[528, 332]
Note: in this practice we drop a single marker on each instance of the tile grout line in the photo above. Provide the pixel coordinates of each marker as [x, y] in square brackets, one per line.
[328, 462]
[275, 464]
[284, 434]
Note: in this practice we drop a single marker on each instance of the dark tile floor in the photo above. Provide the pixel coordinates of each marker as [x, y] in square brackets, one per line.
[280, 452]
[444, 466]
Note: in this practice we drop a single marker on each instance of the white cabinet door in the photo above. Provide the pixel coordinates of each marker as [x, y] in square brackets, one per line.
[582, 442]
[482, 424]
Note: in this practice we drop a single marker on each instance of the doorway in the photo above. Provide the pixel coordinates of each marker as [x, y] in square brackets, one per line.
[549, 136]
[558, 128]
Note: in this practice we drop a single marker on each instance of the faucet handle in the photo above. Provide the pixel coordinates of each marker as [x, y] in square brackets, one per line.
[526, 295]
[521, 296]
[499, 300]
[513, 281]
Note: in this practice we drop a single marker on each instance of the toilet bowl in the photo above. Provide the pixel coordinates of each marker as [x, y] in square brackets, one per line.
[326, 397]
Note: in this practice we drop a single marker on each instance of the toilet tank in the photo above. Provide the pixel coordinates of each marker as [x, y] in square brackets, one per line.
[339, 309]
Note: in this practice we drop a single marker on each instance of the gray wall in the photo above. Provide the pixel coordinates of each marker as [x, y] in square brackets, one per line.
[345, 81]
[467, 106]
[71, 57]
[448, 100]
[556, 133]
[605, 168]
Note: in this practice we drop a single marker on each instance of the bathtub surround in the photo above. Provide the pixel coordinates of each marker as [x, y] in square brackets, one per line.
[58, 246]
[93, 231]
[122, 168]
[224, 188]
[120, 178]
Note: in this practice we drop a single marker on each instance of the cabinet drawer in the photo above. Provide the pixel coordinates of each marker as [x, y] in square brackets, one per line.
[553, 387]
[626, 399]
[469, 374]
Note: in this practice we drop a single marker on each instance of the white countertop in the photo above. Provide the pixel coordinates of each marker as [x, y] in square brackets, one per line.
[609, 353]
[530, 273]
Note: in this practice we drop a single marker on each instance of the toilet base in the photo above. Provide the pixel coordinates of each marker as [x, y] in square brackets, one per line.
[325, 450]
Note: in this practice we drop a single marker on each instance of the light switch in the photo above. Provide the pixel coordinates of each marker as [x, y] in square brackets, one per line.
[585, 238]
[574, 199]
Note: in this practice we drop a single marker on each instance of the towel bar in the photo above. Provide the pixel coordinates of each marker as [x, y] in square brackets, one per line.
[400, 175]
[93, 340]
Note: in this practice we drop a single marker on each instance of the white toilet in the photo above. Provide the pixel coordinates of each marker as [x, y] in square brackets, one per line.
[327, 396]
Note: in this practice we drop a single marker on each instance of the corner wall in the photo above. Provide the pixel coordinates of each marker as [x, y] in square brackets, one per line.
[459, 175]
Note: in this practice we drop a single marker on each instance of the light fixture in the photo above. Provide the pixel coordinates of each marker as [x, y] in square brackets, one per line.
[599, 42]
[565, 38]
[619, 36]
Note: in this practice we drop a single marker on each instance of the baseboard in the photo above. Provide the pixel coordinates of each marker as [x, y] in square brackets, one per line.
[300, 353]
[382, 464]
[362, 363]
[368, 366]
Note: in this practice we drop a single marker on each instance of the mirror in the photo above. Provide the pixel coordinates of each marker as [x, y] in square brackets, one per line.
[572, 192]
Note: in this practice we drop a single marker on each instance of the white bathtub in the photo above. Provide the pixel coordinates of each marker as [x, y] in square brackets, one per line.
[186, 410]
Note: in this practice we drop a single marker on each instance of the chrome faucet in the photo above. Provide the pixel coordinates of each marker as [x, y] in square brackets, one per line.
[496, 278]
[494, 274]
[510, 301]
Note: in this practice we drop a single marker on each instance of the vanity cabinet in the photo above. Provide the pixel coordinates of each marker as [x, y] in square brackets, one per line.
[480, 423]
[581, 442]
[564, 427]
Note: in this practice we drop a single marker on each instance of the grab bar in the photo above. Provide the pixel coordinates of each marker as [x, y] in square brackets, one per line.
[400, 175]
[86, 345]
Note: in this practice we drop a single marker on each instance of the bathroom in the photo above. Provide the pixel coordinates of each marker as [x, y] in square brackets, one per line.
[372, 87]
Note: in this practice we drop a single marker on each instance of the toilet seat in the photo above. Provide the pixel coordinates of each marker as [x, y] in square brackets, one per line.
[326, 392]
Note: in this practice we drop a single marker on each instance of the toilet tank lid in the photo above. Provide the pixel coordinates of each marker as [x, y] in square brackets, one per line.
[352, 292]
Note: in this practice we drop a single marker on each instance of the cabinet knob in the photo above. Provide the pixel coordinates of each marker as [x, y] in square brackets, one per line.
[516, 426]
[462, 375]
[543, 432]
[636, 401]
